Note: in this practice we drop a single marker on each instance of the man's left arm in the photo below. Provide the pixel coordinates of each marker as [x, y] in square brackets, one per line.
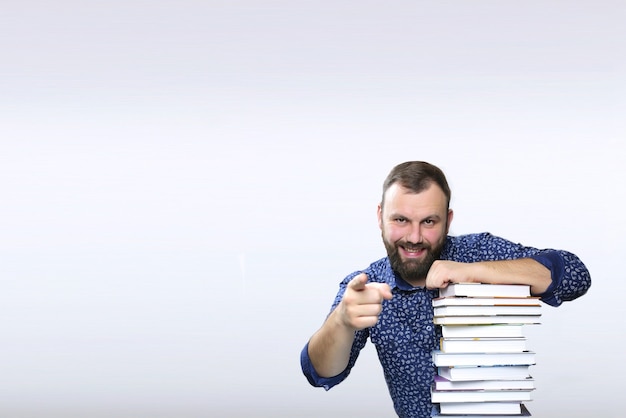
[555, 276]
[521, 271]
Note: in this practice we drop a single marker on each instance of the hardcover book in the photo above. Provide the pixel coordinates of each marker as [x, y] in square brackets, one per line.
[490, 301]
[485, 320]
[447, 396]
[483, 345]
[485, 373]
[485, 290]
[486, 408]
[482, 331]
[441, 383]
[487, 310]
[483, 359]
[436, 412]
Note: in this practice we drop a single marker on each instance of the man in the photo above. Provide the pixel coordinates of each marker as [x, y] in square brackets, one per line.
[391, 301]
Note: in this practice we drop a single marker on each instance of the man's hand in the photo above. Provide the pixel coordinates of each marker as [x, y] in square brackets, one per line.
[362, 303]
[520, 271]
[329, 347]
[444, 272]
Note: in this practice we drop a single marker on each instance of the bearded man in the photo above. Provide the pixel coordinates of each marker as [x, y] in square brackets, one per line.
[390, 302]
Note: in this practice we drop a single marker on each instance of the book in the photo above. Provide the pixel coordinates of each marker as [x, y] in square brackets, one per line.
[486, 408]
[485, 320]
[446, 396]
[483, 345]
[484, 373]
[486, 301]
[436, 412]
[485, 290]
[483, 359]
[441, 383]
[482, 331]
[487, 310]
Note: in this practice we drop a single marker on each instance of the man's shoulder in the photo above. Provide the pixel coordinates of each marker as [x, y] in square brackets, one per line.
[468, 239]
[459, 246]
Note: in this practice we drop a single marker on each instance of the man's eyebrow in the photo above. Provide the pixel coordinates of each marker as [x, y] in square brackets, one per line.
[432, 216]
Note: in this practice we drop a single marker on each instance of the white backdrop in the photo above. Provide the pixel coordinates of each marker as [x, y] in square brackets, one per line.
[185, 183]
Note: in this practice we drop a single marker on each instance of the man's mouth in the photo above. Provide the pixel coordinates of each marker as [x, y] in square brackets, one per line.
[412, 252]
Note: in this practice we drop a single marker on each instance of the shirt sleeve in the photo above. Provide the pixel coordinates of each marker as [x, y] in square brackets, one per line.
[570, 277]
[360, 338]
[312, 376]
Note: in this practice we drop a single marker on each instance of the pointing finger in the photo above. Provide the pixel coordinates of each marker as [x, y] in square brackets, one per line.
[358, 282]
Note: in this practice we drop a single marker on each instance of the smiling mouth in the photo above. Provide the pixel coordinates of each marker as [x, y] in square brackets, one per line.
[413, 252]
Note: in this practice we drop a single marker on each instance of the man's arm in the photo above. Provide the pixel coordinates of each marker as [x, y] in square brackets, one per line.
[554, 275]
[520, 271]
[329, 348]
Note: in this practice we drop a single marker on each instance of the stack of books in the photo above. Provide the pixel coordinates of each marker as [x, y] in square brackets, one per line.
[483, 360]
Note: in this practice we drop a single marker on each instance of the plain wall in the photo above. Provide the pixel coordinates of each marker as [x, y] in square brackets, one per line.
[185, 183]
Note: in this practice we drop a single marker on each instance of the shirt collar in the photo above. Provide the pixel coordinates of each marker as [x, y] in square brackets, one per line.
[397, 282]
[403, 284]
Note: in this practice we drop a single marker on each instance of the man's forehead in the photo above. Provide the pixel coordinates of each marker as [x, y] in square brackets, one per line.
[430, 191]
[398, 197]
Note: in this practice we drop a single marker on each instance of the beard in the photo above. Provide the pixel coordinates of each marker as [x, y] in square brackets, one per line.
[413, 270]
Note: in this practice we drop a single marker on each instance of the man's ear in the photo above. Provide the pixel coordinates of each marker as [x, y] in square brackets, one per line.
[379, 213]
[450, 216]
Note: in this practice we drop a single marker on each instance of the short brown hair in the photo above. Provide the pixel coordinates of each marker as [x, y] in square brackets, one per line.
[417, 176]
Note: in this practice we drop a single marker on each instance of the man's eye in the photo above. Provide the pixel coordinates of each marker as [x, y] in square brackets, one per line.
[401, 220]
[429, 222]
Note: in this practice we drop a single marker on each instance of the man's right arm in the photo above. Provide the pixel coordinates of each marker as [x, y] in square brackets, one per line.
[329, 348]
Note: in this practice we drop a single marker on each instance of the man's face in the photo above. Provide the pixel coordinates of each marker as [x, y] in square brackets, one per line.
[414, 228]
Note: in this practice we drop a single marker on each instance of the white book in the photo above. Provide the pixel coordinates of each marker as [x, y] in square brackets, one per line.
[441, 383]
[486, 301]
[485, 290]
[486, 408]
[486, 310]
[446, 396]
[483, 359]
[485, 320]
[484, 372]
[483, 345]
[479, 331]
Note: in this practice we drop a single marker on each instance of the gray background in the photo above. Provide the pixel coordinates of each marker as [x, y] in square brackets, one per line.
[184, 184]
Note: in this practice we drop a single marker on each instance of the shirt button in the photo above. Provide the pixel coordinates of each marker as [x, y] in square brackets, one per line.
[428, 328]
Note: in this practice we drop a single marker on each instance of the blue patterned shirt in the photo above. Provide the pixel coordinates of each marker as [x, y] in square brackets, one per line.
[405, 335]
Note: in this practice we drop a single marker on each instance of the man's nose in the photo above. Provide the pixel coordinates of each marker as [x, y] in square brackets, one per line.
[415, 235]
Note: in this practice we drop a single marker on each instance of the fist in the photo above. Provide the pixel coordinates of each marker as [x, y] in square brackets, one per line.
[444, 272]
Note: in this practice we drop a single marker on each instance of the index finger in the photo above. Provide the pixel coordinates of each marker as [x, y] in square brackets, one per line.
[358, 282]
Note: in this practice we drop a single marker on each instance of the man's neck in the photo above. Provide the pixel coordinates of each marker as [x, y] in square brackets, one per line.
[412, 283]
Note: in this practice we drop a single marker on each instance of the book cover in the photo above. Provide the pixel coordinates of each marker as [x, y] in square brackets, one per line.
[490, 301]
[481, 331]
[483, 359]
[486, 310]
[441, 383]
[446, 396]
[485, 290]
[485, 320]
[483, 345]
[458, 374]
